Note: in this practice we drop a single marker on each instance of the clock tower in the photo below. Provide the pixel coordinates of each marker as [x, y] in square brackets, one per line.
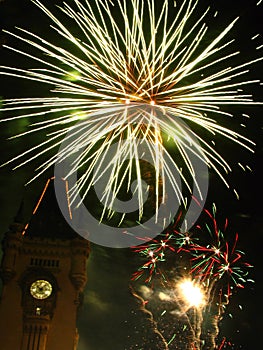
[44, 273]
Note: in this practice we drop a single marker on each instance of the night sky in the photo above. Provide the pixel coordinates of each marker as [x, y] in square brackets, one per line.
[111, 317]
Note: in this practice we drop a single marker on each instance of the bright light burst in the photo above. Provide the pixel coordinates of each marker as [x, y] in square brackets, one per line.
[129, 62]
[192, 293]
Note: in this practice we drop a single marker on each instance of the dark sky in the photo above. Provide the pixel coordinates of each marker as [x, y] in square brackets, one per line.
[111, 317]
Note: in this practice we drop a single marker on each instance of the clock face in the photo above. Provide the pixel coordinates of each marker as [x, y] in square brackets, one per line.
[41, 289]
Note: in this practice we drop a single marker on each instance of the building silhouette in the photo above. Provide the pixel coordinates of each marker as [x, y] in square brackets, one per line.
[43, 271]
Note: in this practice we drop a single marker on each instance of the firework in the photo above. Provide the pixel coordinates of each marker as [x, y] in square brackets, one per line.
[157, 251]
[130, 74]
[219, 265]
[219, 259]
[197, 272]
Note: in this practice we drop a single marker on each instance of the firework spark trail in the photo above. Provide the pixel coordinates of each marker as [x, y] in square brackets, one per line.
[150, 317]
[118, 69]
[157, 251]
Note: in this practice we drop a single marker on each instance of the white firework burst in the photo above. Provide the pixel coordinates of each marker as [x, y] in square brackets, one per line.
[132, 75]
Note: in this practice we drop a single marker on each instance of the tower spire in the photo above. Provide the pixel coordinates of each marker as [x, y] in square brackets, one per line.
[19, 218]
[47, 219]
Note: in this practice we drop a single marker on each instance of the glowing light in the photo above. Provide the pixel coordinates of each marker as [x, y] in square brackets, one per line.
[192, 293]
[151, 253]
[73, 76]
[187, 239]
[217, 251]
[226, 267]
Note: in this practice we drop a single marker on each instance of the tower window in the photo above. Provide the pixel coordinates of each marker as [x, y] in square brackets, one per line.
[44, 262]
